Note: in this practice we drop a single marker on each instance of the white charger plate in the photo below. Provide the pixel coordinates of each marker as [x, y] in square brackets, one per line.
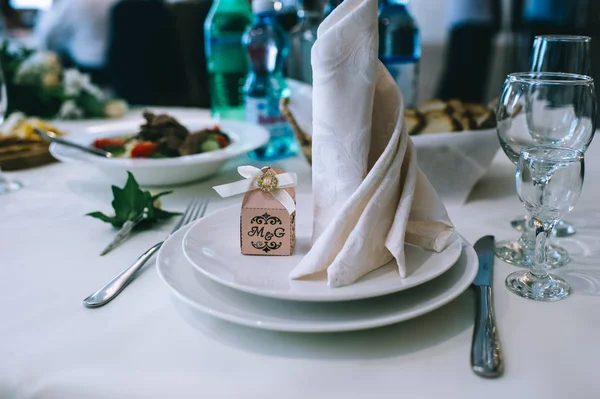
[212, 246]
[204, 296]
[245, 137]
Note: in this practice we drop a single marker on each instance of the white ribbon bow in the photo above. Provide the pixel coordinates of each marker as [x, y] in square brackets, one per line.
[251, 175]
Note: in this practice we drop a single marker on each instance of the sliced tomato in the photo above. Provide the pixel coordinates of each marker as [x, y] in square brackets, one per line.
[145, 149]
[110, 142]
[222, 140]
[216, 128]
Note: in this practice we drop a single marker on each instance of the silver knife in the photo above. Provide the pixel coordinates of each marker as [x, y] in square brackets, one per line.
[486, 356]
[53, 138]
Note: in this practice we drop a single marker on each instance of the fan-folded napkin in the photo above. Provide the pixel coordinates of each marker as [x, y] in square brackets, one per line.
[370, 198]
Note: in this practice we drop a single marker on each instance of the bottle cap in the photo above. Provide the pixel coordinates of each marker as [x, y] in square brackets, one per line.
[259, 6]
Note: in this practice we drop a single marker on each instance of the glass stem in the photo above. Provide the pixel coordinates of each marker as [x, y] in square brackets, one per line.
[543, 231]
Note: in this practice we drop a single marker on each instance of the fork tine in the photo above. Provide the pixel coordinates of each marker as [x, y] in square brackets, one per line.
[190, 215]
[200, 209]
[204, 209]
[184, 216]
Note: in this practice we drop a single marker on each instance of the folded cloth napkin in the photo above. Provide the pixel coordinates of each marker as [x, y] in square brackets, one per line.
[369, 195]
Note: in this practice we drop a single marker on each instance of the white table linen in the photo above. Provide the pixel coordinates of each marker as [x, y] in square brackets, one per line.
[140, 346]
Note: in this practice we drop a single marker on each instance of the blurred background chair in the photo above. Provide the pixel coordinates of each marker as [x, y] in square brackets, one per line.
[189, 17]
[144, 58]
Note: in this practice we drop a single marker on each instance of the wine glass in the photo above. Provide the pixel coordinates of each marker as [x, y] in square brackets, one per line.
[549, 180]
[6, 185]
[536, 109]
[559, 53]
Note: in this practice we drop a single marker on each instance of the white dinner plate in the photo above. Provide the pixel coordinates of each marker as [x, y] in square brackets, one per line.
[204, 296]
[212, 245]
[244, 136]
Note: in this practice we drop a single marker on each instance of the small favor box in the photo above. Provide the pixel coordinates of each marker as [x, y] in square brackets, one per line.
[266, 227]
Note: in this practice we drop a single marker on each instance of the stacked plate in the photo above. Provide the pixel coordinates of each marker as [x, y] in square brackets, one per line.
[204, 268]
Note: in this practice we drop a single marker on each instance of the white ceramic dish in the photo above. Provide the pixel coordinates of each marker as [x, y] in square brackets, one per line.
[204, 296]
[212, 246]
[168, 171]
[452, 161]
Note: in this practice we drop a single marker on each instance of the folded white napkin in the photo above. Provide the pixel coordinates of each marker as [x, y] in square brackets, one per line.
[369, 195]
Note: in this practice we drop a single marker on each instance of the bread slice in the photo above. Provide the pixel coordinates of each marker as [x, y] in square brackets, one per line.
[465, 121]
[486, 120]
[439, 122]
[457, 107]
[476, 109]
[414, 120]
[433, 105]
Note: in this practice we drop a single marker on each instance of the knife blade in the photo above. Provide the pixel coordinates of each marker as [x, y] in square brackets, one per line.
[53, 138]
[486, 355]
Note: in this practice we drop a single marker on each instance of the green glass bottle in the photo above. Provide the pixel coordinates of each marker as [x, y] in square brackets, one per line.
[226, 59]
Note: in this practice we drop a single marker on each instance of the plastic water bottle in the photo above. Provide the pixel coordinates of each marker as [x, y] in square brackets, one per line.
[303, 36]
[267, 47]
[400, 47]
[331, 5]
[227, 66]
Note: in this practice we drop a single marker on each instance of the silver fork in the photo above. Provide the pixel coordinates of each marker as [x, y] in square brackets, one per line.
[104, 295]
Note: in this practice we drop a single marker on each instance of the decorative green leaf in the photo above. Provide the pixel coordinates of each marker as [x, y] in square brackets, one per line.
[157, 196]
[130, 201]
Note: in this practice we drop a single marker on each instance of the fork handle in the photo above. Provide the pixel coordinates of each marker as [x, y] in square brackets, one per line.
[110, 291]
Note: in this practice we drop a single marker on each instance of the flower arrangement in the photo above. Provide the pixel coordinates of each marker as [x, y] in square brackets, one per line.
[38, 85]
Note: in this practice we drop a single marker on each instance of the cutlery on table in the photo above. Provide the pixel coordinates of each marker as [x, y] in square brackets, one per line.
[195, 210]
[53, 138]
[486, 355]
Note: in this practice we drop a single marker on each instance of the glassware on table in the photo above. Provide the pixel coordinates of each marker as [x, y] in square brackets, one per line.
[267, 48]
[559, 53]
[537, 109]
[6, 185]
[226, 61]
[400, 47]
[302, 38]
[549, 180]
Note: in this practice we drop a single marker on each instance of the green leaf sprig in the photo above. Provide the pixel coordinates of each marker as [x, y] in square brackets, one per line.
[129, 203]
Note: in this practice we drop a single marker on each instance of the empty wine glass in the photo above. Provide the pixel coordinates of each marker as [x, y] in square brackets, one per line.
[536, 109]
[6, 185]
[559, 53]
[549, 180]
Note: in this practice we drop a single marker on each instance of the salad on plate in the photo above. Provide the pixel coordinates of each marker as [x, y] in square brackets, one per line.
[162, 136]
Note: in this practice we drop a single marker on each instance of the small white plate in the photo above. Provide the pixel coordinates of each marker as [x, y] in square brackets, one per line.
[212, 245]
[207, 297]
[245, 137]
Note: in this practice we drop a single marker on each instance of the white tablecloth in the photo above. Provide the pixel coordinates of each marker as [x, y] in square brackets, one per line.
[143, 346]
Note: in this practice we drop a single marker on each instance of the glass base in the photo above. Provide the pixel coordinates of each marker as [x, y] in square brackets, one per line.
[527, 285]
[561, 230]
[515, 253]
[8, 186]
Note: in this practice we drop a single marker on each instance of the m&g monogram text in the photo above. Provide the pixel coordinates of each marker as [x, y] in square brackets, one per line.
[263, 233]
[256, 231]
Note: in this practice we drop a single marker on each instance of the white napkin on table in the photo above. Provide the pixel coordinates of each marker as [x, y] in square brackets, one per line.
[369, 195]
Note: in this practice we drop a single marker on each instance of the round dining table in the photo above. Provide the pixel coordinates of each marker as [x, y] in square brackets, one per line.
[144, 344]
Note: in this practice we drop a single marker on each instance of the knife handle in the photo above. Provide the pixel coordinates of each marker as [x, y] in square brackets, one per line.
[486, 356]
